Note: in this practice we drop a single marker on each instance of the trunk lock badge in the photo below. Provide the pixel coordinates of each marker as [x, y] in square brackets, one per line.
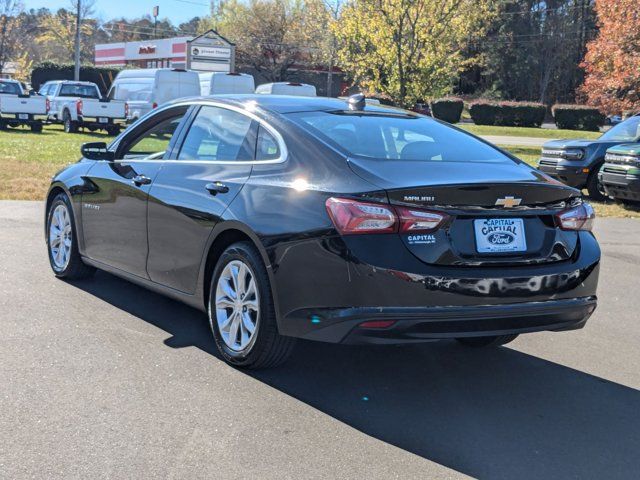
[508, 202]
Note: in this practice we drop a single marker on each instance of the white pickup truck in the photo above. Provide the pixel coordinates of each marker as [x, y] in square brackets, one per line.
[18, 108]
[80, 105]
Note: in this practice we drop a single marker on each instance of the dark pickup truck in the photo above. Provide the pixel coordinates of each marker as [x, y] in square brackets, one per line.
[577, 162]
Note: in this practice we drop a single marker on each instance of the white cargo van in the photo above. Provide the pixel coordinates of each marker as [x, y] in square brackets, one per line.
[220, 83]
[287, 88]
[145, 89]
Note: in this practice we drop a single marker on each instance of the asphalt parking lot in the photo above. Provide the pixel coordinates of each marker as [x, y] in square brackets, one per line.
[103, 379]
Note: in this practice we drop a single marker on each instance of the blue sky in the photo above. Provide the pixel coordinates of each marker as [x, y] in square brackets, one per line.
[176, 10]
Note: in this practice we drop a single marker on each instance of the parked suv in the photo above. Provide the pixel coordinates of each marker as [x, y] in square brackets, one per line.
[80, 104]
[620, 174]
[577, 162]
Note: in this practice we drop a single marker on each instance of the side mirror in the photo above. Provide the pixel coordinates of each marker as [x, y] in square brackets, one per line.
[96, 151]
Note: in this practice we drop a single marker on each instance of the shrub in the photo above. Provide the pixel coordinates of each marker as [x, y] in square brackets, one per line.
[577, 117]
[448, 109]
[101, 76]
[508, 114]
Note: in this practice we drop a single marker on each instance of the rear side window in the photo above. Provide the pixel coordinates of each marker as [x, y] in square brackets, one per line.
[267, 146]
[9, 88]
[219, 134]
[82, 91]
[396, 136]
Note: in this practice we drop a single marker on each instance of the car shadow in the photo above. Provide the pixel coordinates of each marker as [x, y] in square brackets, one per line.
[486, 413]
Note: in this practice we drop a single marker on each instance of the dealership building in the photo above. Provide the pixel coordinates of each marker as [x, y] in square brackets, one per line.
[209, 52]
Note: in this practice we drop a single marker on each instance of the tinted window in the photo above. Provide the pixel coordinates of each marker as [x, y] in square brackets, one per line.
[627, 131]
[154, 143]
[132, 91]
[395, 136]
[218, 134]
[82, 91]
[10, 88]
[44, 90]
[267, 147]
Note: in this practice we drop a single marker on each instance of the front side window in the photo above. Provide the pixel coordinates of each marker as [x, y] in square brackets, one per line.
[154, 143]
[81, 91]
[627, 131]
[219, 134]
[396, 136]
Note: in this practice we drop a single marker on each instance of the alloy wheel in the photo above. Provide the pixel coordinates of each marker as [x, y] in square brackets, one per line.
[60, 237]
[237, 306]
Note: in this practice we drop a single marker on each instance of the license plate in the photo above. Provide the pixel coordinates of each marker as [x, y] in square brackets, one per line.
[23, 116]
[494, 235]
[103, 120]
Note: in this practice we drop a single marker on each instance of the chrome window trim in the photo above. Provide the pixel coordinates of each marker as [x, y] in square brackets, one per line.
[284, 152]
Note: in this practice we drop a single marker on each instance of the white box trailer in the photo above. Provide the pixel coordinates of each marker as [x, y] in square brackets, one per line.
[287, 88]
[220, 83]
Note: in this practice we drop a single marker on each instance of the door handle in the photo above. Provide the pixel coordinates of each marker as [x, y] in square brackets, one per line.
[139, 180]
[216, 188]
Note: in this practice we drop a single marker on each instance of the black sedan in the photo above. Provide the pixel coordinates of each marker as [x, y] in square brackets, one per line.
[325, 219]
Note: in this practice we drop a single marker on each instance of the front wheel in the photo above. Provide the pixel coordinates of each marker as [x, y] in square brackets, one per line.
[62, 243]
[241, 311]
[490, 341]
[595, 188]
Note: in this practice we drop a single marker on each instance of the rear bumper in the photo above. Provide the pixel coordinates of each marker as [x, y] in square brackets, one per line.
[95, 122]
[623, 186]
[571, 175]
[432, 323]
[13, 119]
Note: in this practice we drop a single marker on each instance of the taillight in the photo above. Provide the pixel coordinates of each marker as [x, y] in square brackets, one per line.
[47, 104]
[577, 218]
[154, 105]
[353, 217]
[79, 107]
[126, 110]
[416, 220]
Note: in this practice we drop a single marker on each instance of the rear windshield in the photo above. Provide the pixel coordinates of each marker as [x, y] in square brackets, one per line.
[133, 91]
[82, 91]
[396, 137]
[10, 88]
[627, 131]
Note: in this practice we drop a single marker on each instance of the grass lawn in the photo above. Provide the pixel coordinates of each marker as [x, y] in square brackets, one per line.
[526, 132]
[28, 160]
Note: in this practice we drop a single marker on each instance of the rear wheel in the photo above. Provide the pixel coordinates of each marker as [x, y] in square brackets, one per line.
[595, 188]
[113, 131]
[490, 341]
[62, 243]
[241, 312]
[3, 126]
[36, 127]
[69, 125]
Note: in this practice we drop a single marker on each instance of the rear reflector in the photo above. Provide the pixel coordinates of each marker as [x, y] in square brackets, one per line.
[353, 217]
[578, 218]
[79, 107]
[377, 324]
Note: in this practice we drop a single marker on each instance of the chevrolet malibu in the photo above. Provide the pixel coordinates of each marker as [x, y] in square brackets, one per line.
[289, 218]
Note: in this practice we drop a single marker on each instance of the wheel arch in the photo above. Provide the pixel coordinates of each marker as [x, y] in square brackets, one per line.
[55, 189]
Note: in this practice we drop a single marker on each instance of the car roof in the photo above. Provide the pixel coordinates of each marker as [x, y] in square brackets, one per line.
[288, 103]
[79, 82]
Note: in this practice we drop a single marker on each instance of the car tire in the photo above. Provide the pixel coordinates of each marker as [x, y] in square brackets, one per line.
[69, 125]
[3, 126]
[242, 317]
[112, 131]
[595, 188]
[36, 127]
[490, 341]
[62, 243]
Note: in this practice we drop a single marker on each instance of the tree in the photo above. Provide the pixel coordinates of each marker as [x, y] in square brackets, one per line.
[271, 36]
[612, 61]
[57, 36]
[407, 49]
[9, 24]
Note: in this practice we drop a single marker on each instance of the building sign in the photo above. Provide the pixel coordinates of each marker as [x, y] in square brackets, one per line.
[147, 49]
[211, 52]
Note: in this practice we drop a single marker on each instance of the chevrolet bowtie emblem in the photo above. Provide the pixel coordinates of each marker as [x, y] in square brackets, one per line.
[508, 202]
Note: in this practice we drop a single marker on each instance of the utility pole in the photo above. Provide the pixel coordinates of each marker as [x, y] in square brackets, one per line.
[76, 70]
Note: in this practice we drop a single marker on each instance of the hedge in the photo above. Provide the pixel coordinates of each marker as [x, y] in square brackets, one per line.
[448, 109]
[508, 114]
[577, 117]
[101, 76]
